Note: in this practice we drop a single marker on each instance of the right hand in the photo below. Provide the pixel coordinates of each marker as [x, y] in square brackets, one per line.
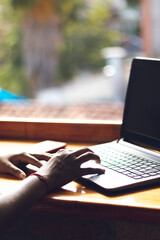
[65, 166]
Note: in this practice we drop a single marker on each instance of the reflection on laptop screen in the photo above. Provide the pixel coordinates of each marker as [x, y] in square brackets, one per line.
[142, 111]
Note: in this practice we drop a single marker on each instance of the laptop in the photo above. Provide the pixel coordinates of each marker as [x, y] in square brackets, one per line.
[132, 161]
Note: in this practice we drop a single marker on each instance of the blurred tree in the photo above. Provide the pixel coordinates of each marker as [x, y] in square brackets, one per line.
[41, 38]
[133, 2]
[53, 39]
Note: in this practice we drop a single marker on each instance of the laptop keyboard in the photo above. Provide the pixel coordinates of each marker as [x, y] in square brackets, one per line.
[126, 163]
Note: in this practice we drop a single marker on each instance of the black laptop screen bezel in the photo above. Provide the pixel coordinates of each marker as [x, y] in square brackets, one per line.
[127, 134]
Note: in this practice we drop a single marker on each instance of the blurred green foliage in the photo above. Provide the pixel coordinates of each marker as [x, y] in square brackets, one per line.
[85, 32]
[23, 3]
[84, 37]
[12, 76]
[133, 2]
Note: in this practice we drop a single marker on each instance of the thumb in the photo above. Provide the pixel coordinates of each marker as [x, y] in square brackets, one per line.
[17, 172]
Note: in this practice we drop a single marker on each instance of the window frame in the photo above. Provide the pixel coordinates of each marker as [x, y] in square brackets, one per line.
[59, 129]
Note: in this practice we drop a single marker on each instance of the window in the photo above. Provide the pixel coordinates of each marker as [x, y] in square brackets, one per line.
[68, 61]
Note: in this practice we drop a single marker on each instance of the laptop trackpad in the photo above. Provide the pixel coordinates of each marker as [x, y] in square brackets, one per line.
[110, 180]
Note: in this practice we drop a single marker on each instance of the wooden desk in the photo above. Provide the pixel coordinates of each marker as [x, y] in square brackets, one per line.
[75, 199]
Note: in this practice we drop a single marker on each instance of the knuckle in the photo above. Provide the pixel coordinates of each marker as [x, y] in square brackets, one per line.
[23, 154]
[85, 148]
[60, 150]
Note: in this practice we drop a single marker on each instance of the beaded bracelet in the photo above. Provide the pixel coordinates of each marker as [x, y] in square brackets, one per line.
[42, 178]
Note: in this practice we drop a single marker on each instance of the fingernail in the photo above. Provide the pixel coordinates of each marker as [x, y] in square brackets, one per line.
[22, 175]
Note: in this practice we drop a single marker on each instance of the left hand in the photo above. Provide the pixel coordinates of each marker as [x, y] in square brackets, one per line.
[9, 163]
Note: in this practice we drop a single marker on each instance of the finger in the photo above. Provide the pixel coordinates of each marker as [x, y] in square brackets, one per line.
[88, 156]
[30, 159]
[81, 151]
[15, 171]
[86, 171]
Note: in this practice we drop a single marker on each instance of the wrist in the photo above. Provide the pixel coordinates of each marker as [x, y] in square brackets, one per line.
[43, 179]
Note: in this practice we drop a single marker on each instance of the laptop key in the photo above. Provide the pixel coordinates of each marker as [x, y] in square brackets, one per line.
[137, 172]
[145, 175]
[138, 177]
[152, 173]
[132, 175]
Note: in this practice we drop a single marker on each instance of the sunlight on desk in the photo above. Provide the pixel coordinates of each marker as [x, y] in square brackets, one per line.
[76, 192]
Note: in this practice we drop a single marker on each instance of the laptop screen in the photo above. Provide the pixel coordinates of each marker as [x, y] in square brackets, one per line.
[141, 120]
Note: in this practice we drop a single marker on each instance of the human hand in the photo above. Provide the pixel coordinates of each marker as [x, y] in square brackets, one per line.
[10, 163]
[65, 166]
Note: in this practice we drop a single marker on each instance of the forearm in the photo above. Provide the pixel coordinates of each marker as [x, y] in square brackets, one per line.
[20, 199]
[62, 168]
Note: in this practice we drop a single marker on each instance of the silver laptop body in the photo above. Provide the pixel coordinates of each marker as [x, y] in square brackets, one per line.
[131, 161]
